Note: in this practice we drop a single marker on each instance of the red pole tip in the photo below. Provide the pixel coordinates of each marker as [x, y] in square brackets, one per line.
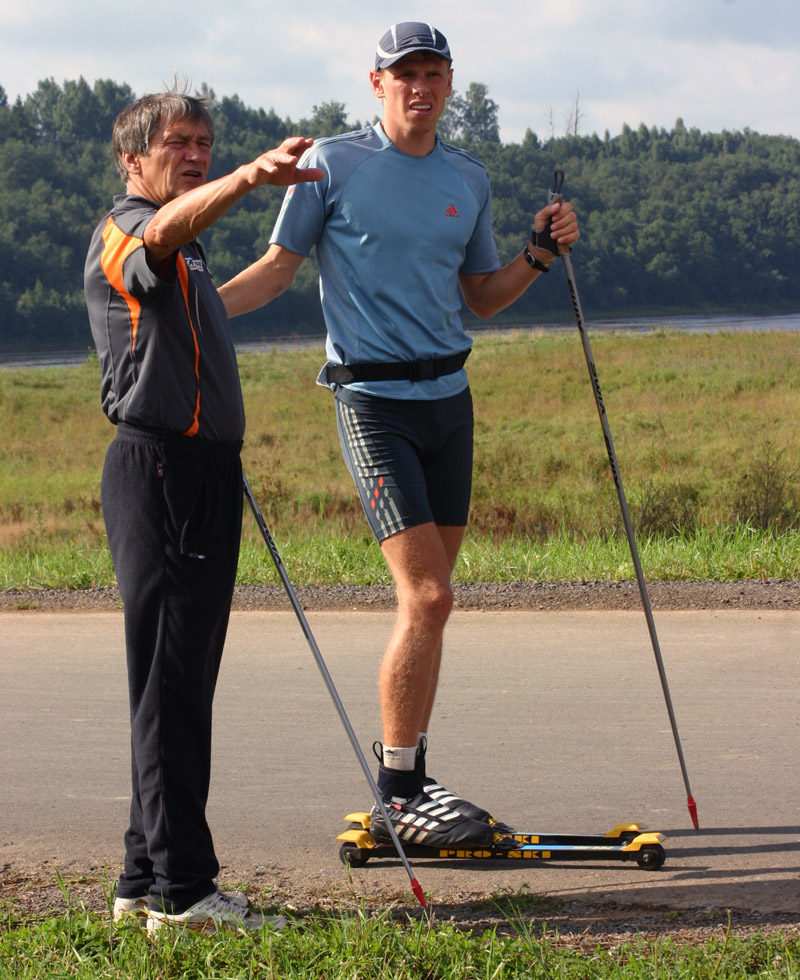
[417, 889]
[693, 811]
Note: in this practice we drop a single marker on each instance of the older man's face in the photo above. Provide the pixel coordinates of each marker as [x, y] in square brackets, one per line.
[177, 161]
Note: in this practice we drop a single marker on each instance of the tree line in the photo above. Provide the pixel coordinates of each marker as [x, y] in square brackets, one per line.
[672, 221]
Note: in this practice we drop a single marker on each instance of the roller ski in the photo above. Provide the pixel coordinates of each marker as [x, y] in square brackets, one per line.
[625, 842]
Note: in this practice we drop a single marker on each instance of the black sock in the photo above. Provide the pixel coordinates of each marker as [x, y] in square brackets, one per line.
[402, 783]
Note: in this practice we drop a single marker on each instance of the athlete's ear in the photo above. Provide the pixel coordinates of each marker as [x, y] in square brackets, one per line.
[131, 162]
[376, 80]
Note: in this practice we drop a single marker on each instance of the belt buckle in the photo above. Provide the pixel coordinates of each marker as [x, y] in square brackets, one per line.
[421, 370]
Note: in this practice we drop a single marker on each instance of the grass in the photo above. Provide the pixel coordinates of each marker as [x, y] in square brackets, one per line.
[736, 553]
[704, 427]
[360, 944]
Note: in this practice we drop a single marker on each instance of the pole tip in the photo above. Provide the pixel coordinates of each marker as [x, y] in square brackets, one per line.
[417, 889]
[692, 811]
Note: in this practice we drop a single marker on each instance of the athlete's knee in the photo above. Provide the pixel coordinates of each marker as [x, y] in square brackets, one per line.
[431, 599]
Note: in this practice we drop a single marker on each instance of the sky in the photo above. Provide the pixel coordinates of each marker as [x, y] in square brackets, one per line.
[716, 64]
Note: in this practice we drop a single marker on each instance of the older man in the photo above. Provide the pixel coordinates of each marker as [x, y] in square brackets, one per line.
[400, 222]
[172, 486]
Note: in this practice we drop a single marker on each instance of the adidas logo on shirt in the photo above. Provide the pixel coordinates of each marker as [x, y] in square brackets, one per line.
[452, 212]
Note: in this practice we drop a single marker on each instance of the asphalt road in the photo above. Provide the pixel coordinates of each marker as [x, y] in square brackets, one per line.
[554, 721]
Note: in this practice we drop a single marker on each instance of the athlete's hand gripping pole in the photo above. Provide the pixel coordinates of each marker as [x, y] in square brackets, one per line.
[262, 526]
[553, 196]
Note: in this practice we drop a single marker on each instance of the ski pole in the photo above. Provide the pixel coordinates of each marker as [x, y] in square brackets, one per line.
[553, 196]
[262, 526]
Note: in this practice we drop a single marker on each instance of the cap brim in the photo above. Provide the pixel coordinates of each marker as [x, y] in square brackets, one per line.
[393, 59]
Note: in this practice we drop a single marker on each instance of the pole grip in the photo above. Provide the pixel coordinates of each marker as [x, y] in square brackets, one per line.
[554, 195]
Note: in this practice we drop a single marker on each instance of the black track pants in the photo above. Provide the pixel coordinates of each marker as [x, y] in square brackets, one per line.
[173, 513]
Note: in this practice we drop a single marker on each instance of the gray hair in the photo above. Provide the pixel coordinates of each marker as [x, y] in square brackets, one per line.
[135, 125]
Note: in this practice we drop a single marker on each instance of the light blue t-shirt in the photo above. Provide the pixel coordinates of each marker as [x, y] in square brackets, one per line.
[392, 232]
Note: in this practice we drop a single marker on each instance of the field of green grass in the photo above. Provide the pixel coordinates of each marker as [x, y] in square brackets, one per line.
[704, 426]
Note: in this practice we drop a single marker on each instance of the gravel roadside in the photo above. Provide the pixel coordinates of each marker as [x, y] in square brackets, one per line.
[768, 594]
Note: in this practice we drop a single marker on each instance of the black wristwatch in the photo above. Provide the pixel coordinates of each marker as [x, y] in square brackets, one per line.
[533, 262]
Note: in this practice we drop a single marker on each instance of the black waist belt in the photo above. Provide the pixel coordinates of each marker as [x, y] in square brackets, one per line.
[343, 374]
[205, 447]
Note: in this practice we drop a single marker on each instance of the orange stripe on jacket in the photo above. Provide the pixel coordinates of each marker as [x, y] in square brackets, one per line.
[117, 246]
[183, 276]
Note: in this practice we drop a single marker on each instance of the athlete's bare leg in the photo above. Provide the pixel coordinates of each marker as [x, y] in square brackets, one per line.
[421, 560]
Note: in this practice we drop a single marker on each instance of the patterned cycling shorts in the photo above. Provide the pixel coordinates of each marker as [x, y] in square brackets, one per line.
[411, 460]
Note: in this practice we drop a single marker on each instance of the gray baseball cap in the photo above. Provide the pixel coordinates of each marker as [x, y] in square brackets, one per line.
[405, 38]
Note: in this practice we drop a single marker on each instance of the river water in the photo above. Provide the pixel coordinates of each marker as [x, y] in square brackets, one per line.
[712, 323]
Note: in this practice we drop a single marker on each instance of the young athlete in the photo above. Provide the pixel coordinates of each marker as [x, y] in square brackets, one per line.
[401, 222]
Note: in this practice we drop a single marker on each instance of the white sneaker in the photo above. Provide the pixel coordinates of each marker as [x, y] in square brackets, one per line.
[238, 898]
[214, 912]
[135, 909]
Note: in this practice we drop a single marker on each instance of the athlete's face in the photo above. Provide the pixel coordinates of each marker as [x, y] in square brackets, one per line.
[177, 161]
[414, 91]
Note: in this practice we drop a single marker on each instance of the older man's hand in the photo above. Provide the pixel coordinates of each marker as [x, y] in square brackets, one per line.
[279, 166]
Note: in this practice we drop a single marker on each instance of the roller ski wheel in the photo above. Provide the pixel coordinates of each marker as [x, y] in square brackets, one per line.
[651, 857]
[352, 856]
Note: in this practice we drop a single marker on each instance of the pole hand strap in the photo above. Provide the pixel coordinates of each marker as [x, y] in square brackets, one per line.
[543, 238]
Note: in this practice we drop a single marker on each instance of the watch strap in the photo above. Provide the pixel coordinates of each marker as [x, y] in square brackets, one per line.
[533, 262]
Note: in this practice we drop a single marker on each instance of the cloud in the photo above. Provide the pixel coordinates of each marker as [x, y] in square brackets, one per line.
[716, 63]
[635, 62]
